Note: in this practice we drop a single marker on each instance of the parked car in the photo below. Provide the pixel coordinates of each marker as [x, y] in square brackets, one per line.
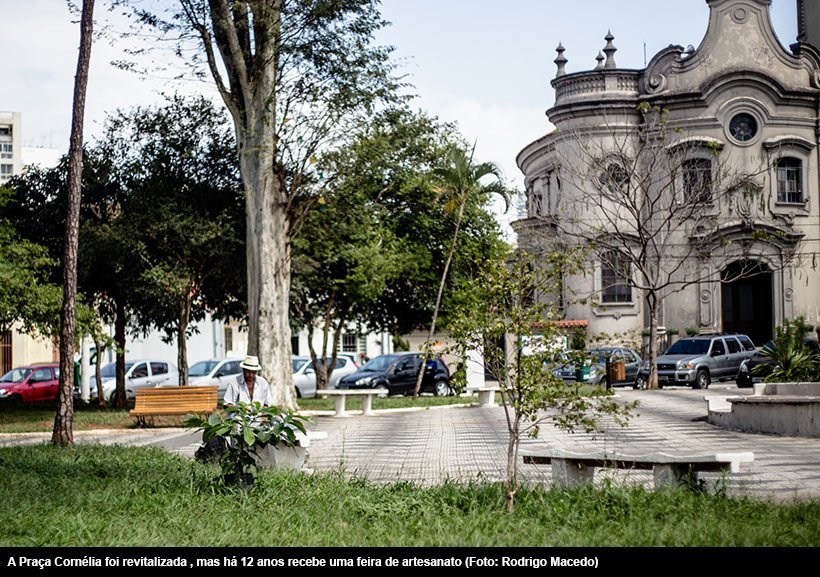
[217, 372]
[697, 361]
[31, 384]
[304, 374]
[138, 375]
[397, 373]
[756, 368]
[597, 370]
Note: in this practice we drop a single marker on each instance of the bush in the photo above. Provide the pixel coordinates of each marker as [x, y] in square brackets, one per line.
[692, 331]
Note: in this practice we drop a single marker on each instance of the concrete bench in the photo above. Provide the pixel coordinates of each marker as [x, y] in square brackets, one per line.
[571, 468]
[486, 396]
[340, 396]
[173, 401]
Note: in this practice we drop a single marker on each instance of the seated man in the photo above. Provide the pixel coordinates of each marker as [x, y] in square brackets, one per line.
[249, 386]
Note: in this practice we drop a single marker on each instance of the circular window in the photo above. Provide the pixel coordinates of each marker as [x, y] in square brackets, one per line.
[743, 127]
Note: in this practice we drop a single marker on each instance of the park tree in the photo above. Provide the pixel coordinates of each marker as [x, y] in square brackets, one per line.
[502, 315]
[28, 297]
[459, 179]
[643, 199]
[182, 212]
[368, 253]
[63, 433]
[293, 74]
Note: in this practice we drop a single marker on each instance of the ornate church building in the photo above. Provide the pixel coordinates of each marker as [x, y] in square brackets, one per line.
[691, 187]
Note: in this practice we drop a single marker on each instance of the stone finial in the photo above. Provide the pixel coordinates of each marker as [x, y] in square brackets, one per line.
[560, 61]
[600, 59]
[609, 50]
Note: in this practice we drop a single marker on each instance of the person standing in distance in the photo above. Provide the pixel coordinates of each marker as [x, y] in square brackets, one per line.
[249, 386]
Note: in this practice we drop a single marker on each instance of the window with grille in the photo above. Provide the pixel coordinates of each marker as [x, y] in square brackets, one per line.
[697, 180]
[790, 180]
[615, 274]
[349, 342]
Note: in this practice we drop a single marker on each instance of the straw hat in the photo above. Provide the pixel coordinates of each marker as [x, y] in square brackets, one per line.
[251, 364]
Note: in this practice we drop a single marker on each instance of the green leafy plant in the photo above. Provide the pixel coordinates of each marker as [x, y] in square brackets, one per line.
[789, 359]
[692, 331]
[247, 428]
[673, 331]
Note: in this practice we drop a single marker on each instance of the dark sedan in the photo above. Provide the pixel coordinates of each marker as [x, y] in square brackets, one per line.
[759, 366]
[396, 373]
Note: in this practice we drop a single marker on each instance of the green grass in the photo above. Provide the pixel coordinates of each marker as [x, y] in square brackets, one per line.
[118, 496]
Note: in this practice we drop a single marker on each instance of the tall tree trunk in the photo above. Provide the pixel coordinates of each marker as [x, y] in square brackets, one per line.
[182, 343]
[652, 305]
[447, 263]
[98, 370]
[63, 433]
[268, 255]
[119, 401]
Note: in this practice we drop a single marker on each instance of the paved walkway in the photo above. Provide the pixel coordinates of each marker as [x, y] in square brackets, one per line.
[429, 446]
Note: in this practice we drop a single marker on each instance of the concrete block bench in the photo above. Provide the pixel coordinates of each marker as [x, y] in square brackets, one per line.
[340, 396]
[572, 468]
[486, 396]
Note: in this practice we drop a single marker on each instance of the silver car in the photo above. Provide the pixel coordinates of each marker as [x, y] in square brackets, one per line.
[217, 372]
[697, 361]
[304, 374]
[138, 375]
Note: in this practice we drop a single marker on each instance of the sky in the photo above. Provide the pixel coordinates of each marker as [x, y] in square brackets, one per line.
[483, 64]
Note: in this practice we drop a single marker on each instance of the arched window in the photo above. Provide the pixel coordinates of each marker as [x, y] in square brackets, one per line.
[790, 180]
[697, 180]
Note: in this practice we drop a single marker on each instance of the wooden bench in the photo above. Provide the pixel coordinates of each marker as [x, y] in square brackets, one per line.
[340, 397]
[486, 396]
[173, 401]
[570, 468]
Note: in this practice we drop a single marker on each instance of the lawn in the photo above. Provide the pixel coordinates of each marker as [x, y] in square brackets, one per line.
[39, 417]
[121, 496]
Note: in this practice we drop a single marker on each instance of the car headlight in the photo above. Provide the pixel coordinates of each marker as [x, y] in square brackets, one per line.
[689, 365]
[645, 365]
[4, 392]
[744, 368]
[364, 381]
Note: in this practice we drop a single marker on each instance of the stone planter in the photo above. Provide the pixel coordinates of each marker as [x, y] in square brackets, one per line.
[282, 457]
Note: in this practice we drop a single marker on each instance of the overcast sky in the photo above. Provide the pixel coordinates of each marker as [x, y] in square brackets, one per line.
[482, 63]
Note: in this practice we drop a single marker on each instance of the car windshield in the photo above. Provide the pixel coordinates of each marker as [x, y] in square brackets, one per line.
[109, 371]
[600, 355]
[202, 368]
[15, 376]
[298, 364]
[379, 364]
[689, 347]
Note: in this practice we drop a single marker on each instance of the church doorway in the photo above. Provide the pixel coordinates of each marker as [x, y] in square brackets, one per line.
[747, 300]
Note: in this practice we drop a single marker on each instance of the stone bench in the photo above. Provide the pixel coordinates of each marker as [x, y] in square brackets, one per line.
[340, 397]
[486, 396]
[572, 468]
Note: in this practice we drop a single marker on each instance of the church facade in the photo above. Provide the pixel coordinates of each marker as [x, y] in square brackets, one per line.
[692, 186]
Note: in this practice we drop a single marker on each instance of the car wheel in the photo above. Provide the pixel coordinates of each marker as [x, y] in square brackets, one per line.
[383, 390]
[442, 389]
[701, 380]
[640, 383]
[298, 392]
[744, 383]
[15, 400]
[604, 383]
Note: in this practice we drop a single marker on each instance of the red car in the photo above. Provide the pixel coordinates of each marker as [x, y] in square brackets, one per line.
[31, 384]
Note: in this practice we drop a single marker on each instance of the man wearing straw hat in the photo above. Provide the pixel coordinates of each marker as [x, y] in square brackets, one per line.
[249, 386]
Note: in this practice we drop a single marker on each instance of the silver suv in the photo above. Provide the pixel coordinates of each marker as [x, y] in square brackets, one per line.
[697, 361]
